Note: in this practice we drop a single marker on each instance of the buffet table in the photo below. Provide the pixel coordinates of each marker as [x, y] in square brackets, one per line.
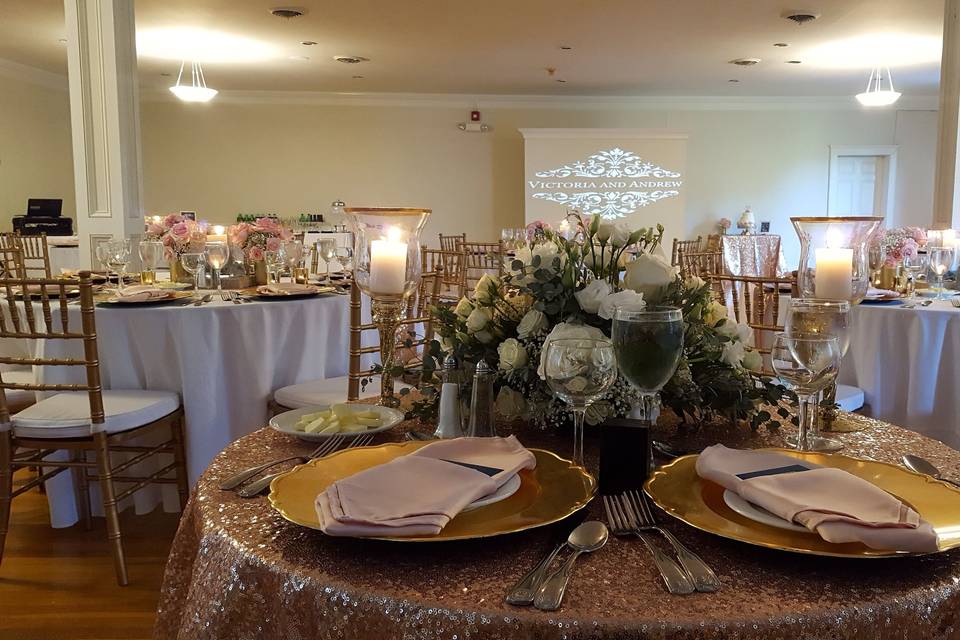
[238, 570]
[224, 359]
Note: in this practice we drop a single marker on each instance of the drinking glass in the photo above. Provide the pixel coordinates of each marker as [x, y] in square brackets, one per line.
[914, 265]
[273, 259]
[328, 251]
[579, 371]
[649, 344]
[292, 254]
[103, 257]
[806, 363]
[151, 252]
[508, 238]
[344, 256]
[118, 257]
[218, 253]
[941, 259]
[191, 262]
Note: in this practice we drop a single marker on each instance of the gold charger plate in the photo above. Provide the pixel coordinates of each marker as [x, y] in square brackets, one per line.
[555, 489]
[111, 300]
[678, 490]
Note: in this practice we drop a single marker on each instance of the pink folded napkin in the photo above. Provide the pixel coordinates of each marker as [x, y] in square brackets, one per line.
[418, 494]
[141, 293]
[285, 289]
[881, 293]
[831, 502]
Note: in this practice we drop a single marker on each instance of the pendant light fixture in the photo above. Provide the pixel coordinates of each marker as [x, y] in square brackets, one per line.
[880, 91]
[197, 90]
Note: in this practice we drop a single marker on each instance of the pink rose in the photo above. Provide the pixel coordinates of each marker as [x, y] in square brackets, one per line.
[180, 230]
[286, 234]
[273, 244]
[154, 230]
[267, 225]
[171, 220]
[255, 253]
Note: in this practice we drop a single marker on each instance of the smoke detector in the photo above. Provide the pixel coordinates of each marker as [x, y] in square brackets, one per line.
[351, 59]
[288, 12]
[745, 62]
[800, 17]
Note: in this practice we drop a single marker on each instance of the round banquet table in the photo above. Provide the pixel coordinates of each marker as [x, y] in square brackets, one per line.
[238, 570]
[224, 359]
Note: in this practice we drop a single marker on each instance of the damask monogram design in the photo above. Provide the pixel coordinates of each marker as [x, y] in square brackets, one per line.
[608, 205]
[613, 163]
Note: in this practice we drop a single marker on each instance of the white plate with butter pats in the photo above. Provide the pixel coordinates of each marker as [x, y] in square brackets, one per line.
[354, 420]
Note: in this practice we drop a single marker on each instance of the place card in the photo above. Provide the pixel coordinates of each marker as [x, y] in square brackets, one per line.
[625, 455]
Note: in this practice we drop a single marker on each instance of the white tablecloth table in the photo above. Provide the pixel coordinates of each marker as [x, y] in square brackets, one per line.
[907, 361]
[224, 359]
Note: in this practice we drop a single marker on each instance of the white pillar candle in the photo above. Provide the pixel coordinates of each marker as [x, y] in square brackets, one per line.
[388, 264]
[218, 234]
[834, 279]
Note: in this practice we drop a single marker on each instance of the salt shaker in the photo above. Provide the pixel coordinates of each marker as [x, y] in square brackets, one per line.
[449, 425]
[481, 403]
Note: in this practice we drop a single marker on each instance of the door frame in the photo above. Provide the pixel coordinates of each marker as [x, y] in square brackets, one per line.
[888, 151]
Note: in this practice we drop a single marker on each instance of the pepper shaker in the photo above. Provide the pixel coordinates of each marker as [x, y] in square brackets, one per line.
[481, 403]
[448, 424]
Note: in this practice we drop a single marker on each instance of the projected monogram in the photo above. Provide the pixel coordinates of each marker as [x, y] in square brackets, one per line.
[612, 189]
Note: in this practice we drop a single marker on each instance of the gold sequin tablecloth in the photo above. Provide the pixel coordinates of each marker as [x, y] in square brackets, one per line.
[238, 571]
[753, 255]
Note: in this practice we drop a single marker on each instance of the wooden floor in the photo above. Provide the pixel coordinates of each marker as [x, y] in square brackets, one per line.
[59, 583]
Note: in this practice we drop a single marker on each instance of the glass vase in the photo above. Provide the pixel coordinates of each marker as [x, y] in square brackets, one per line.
[834, 256]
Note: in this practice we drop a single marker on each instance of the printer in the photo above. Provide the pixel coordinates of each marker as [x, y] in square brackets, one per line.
[43, 216]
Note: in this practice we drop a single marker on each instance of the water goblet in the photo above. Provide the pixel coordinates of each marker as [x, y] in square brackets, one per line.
[578, 371]
[328, 251]
[191, 262]
[103, 257]
[806, 364]
[344, 256]
[941, 259]
[151, 252]
[118, 257]
[273, 260]
[649, 345]
[914, 265]
[218, 254]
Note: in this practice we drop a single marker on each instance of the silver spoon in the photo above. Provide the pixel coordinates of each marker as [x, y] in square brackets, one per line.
[924, 466]
[586, 538]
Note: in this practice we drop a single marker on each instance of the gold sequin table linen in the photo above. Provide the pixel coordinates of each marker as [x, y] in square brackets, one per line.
[237, 570]
[752, 255]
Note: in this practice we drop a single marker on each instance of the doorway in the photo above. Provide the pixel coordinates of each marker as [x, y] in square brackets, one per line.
[862, 180]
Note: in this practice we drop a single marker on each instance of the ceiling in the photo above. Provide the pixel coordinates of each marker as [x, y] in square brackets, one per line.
[618, 47]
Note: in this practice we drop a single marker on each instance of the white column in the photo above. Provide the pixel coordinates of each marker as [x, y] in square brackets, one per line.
[946, 197]
[105, 118]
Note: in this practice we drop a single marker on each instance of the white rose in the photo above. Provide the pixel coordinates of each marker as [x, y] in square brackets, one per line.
[753, 360]
[745, 333]
[604, 231]
[463, 308]
[484, 336]
[532, 323]
[728, 329]
[566, 331]
[626, 299]
[477, 320]
[649, 275]
[510, 403]
[512, 355]
[620, 235]
[694, 282]
[714, 313]
[486, 288]
[590, 297]
[733, 353]
[548, 251]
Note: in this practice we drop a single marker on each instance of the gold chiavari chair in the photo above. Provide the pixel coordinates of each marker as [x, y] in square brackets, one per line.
[331, 390]
[35, 254]
[80, 418]
[11, 261]
[481, 258]
[687, 246]
[450, 242]
[755, 301]
[453, 266]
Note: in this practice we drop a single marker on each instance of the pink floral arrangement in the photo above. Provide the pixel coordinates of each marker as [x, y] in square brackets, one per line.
[725, 223]
[256, 238]
[178, 234]
[537, 230]
[901, 243]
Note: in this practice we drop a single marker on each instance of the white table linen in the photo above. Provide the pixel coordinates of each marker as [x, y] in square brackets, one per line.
[224, 360]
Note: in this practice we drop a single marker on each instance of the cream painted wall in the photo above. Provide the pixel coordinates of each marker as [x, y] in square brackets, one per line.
[35, 147]
[223, 158]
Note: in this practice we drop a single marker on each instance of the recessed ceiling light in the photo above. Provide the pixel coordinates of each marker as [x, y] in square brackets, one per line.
[565, 47]
[794, 61]
[780, 44]
[745, 62]
[165, 74]
[288, 12]
[877, 49]
[308, 43]
[201, 45]
[358, 77]
[351, 59]
[559, 80]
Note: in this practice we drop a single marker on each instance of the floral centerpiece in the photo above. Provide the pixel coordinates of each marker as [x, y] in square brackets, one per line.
[903, 242]
[724, 224]
[258, 237]
[560, 288]
[178, 235]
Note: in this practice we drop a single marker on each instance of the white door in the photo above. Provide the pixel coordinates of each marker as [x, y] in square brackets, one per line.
[859, 185]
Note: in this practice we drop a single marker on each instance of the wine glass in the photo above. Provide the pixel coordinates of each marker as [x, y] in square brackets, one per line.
[508, 239]
[579, 371]
[118, 257]
[941, 259]
[328, 251]
[820, 316]
[218, 253]
[914, 265]
[103, 257]
[344, 256]
[649, 344]
[292, 258]
[273, 259]
[191, 262]
[806, 363]
[151, 251]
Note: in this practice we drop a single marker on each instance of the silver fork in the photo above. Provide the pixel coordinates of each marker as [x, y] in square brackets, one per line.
[256, 487]
[638, 508]
[674, 577]
[234, 298]
[239, 478]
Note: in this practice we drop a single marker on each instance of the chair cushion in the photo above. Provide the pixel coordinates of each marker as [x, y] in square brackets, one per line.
[67, 415]
[19, 398]
[317, 392]
[849, 398]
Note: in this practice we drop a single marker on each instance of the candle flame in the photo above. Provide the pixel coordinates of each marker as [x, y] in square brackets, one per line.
[394, 234]
[218, 229]
[157, 219]
[834, 238]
